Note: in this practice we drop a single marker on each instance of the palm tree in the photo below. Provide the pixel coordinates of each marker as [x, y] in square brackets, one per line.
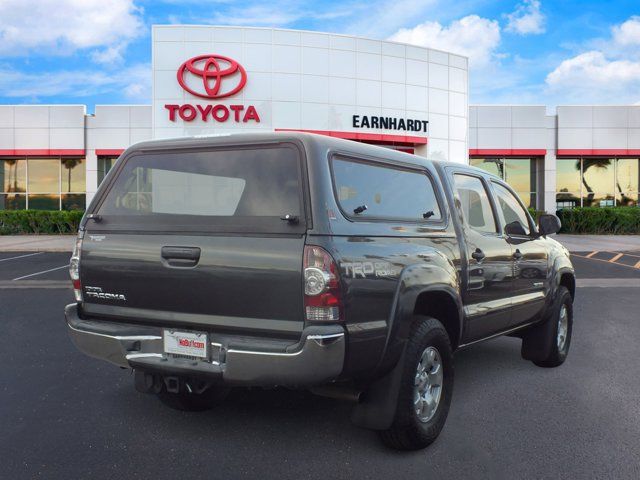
[12, 163]
[624, 199]
[70, 164]
[499, 165]
[598, 164]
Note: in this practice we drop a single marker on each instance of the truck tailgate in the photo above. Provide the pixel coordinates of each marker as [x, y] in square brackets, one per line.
[238, 282]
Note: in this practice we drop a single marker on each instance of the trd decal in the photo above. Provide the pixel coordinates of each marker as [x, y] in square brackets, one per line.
[370, 269]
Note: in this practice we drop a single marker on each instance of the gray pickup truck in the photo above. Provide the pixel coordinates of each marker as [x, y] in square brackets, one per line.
[289, 259]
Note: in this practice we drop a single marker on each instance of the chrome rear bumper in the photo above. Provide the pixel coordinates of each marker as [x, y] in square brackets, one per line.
[316, 359]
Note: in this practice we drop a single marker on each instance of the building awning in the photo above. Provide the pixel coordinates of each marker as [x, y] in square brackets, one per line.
[43, 152]
[109, 152]
[507, 152]
[597, 152]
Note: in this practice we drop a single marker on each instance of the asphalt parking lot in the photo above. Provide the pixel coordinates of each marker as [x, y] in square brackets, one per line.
[63, 415]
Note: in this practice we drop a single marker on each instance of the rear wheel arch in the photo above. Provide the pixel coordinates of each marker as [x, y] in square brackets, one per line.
[445, 308]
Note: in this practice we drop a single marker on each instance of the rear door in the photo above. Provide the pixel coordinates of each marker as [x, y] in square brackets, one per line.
[487, 296]
[198, 238]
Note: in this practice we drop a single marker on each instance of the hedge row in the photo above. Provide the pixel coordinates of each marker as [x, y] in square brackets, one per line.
[594, 220]
[17, 222]
[535, 213]
[587, 220]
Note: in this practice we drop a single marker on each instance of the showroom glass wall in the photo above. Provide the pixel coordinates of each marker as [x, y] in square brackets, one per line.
[52, 183]
[519, 173]
[597, 182]
[104, 165]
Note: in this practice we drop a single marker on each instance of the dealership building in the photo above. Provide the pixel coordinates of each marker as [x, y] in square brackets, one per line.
[223, 80]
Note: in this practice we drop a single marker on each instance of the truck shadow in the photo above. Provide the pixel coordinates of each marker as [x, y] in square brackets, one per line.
[254, 417]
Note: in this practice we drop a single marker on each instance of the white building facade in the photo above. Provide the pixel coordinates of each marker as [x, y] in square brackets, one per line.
[219, 80]
[209, 80]
[582, 156]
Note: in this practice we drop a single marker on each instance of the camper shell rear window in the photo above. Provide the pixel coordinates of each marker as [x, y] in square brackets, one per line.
[231, 189]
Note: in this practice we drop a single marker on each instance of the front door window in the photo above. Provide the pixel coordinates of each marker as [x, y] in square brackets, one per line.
[516, 220]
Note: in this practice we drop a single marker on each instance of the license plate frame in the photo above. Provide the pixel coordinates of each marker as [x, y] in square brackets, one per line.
[186, 343]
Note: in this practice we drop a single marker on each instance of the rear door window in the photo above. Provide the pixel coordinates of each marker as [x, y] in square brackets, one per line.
[245, 189]
[374, 191]
[474, 200]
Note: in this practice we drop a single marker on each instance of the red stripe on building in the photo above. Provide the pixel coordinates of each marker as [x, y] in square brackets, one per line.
[610, 152]
[48, 152]
[507, 152]
[364, 137]
[111, 152]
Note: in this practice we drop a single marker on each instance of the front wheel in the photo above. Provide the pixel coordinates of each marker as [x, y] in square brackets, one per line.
[426, 387]
[547, 345]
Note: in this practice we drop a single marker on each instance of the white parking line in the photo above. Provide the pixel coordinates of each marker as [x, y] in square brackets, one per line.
[21, 256]
[40, 273]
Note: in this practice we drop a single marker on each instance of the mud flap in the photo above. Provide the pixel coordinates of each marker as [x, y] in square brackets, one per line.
[377, 407]
[537, 342]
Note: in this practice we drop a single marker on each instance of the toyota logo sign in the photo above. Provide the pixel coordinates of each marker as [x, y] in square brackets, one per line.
[212, 76]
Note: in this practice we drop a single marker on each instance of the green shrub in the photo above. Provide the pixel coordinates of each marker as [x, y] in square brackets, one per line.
[586, 220]
[535, 213]
[19, 222]
[602, 221]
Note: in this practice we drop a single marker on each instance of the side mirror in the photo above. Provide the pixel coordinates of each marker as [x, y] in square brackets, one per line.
[548, 224]
[514, 228]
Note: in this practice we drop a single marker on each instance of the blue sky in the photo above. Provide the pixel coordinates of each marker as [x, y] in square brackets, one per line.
[526, 52]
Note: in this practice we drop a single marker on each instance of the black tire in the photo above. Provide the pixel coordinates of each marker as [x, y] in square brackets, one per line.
[408, 431]
[193, 402]
[542, 344]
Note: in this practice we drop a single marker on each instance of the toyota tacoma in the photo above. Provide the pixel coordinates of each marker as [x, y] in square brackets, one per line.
[306, 261]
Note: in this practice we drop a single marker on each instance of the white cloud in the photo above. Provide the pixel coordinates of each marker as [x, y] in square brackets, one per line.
[64, 26]
[109, 55]
[526, 19]
[473, 36]
[276, 13]
[627, 34]
[258, 15]
[371, 18]
[609, 73]
[593, 70]
[134, 82]
[379, 18]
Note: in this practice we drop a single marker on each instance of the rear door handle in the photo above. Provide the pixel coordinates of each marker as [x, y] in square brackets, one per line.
[517, 254]
[180, 256]
[478, 255]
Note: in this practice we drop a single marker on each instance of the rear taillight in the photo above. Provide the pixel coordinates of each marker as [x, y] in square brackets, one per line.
[74, 268]
[322, 302]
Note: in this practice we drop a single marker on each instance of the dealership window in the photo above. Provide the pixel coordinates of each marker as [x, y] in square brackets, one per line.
[42, 183]
[519, 173]
[627, 181]
[104, 165]
[596, 182]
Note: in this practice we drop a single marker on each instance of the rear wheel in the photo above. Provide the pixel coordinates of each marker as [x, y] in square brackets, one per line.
[190, 401]
[425, 389]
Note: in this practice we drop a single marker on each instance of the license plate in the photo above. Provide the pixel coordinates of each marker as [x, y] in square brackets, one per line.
[191, 344]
